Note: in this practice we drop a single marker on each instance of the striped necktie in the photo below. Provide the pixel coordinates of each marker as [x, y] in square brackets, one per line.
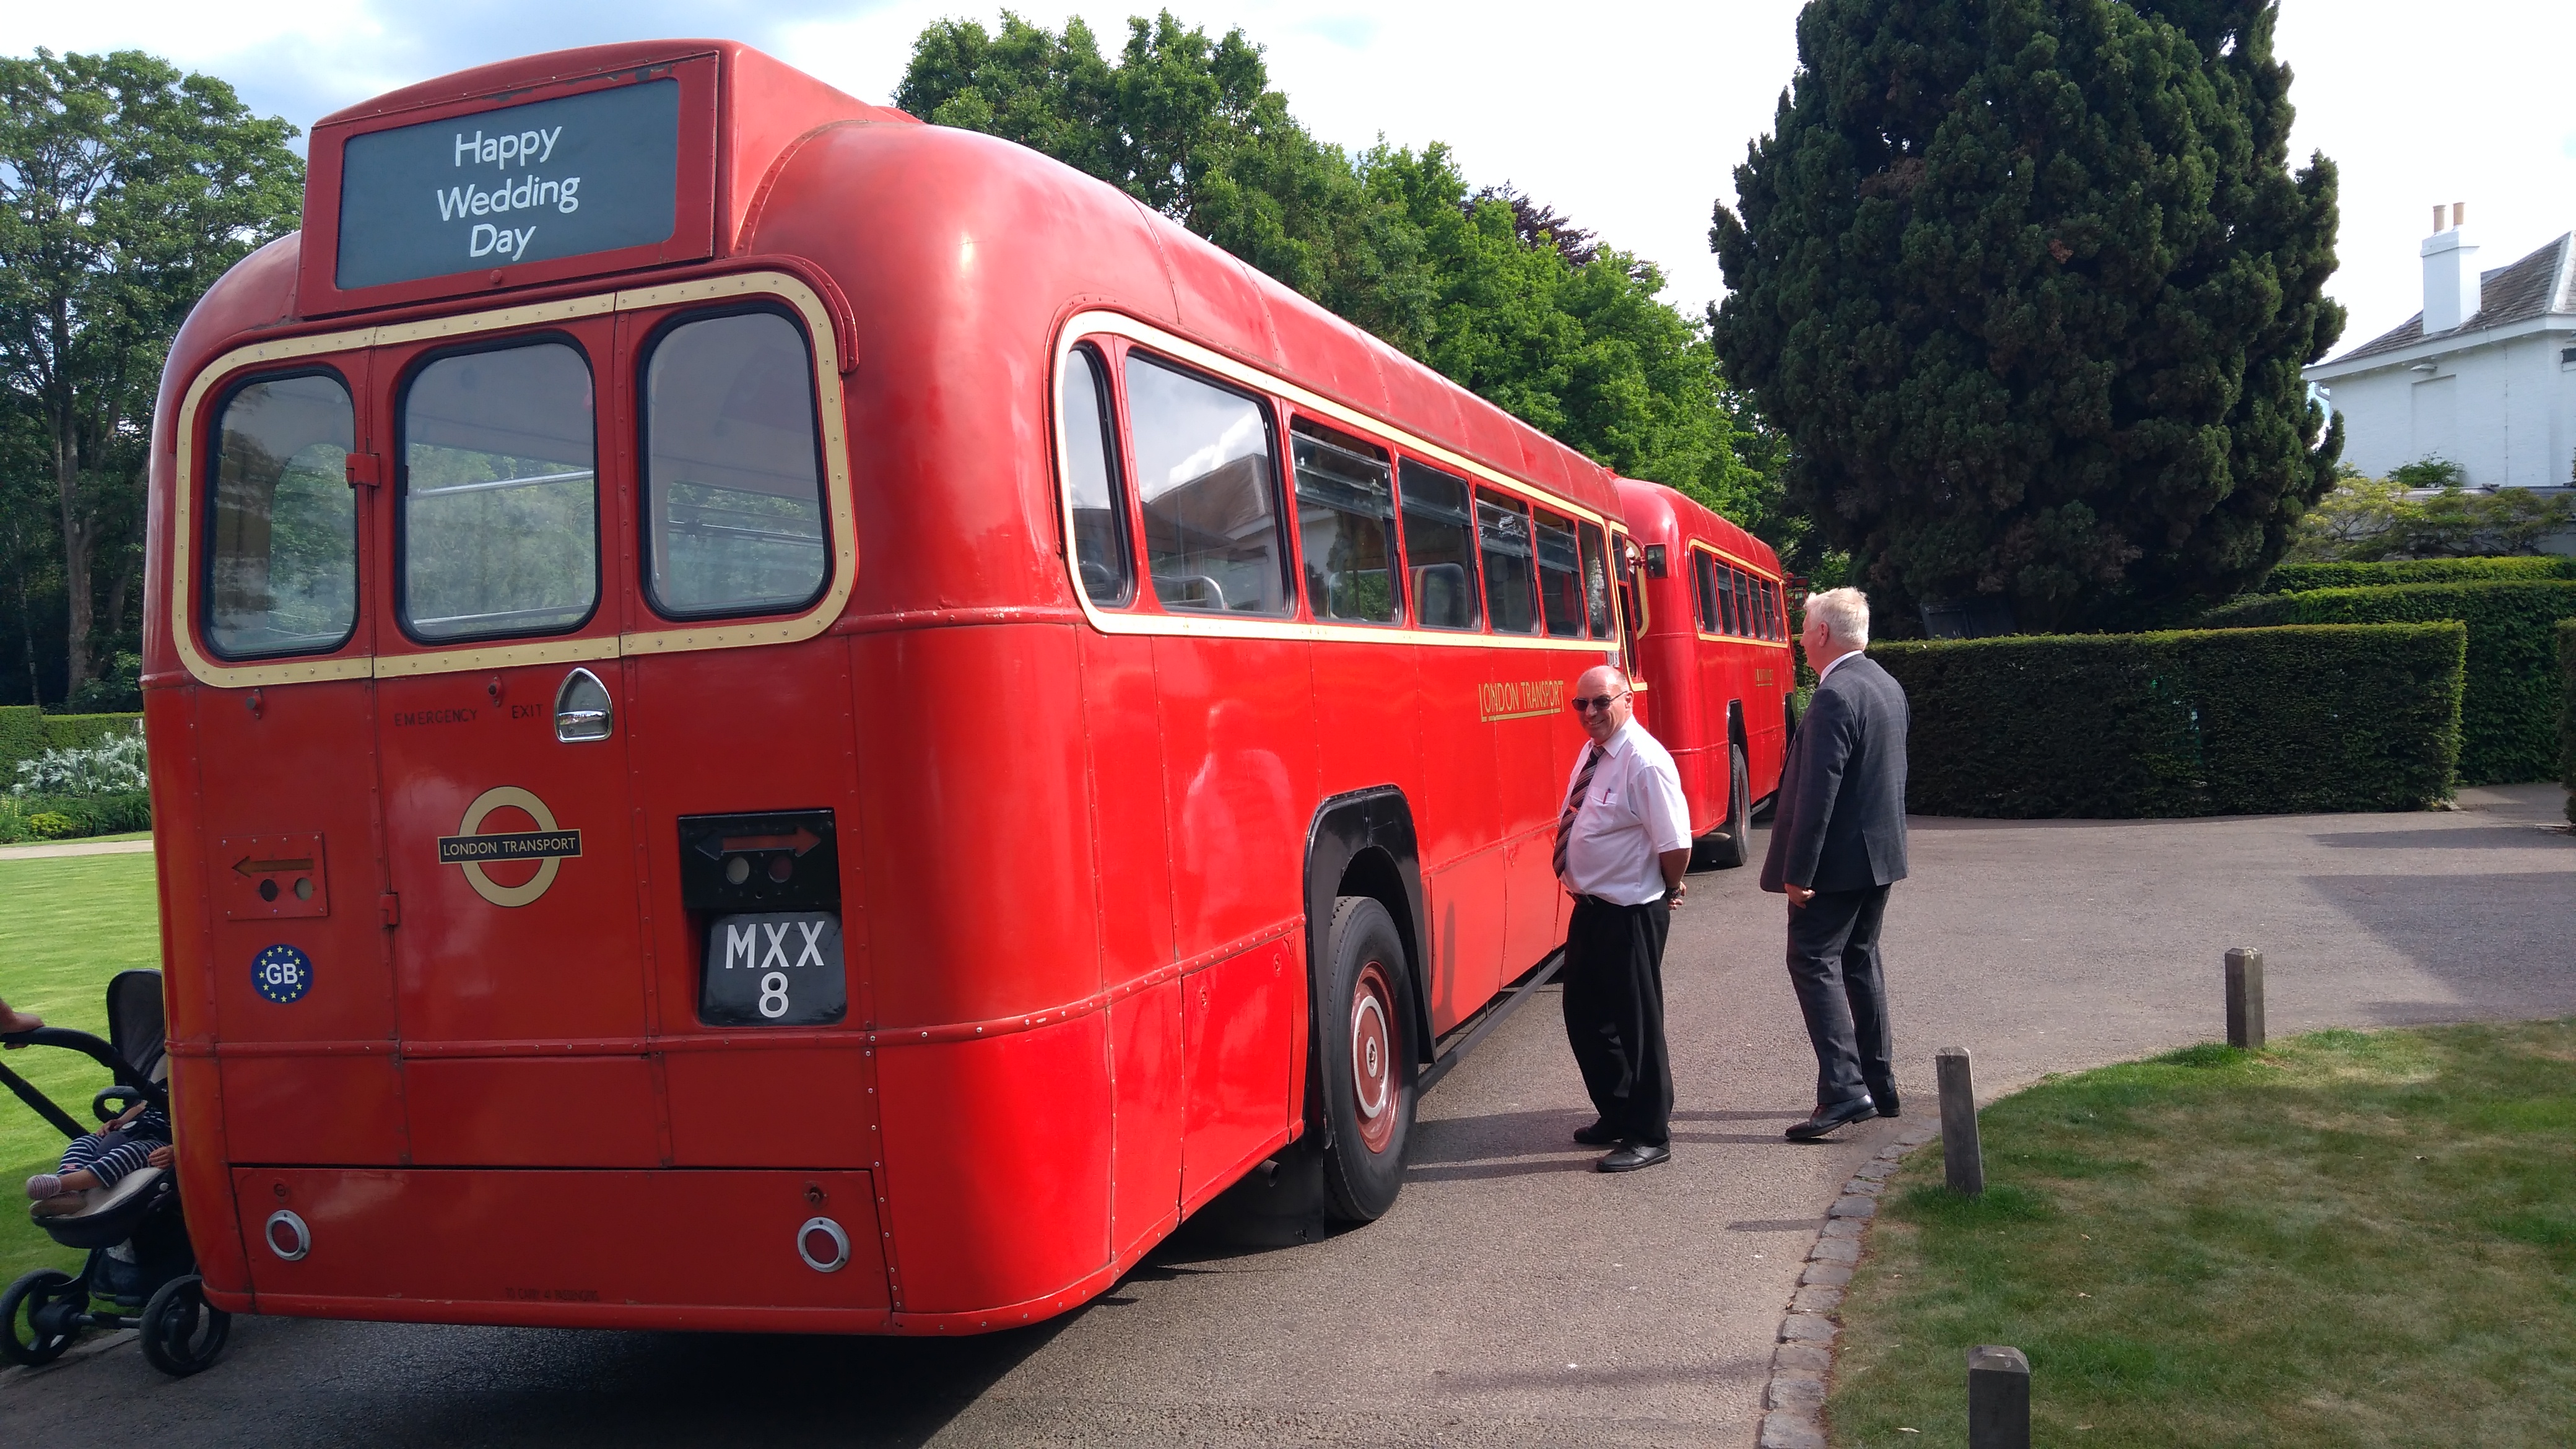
[1574, 805]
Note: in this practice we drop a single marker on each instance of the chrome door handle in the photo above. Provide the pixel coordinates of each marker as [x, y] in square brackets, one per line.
[583, 713]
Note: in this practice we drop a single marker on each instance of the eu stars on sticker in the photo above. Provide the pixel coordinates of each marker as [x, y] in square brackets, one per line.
[282, 974]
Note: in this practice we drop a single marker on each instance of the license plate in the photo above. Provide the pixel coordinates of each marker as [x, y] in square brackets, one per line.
[773, 968]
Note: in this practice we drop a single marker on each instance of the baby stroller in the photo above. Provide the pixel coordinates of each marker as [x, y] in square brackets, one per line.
[139, 1258]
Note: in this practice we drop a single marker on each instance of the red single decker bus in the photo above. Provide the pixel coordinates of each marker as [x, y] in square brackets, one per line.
[764, 716]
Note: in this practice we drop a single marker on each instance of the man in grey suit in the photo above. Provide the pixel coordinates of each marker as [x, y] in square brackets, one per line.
[1837, 844]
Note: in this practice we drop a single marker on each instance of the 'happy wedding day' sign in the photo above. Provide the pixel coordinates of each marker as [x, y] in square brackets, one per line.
[586, 173]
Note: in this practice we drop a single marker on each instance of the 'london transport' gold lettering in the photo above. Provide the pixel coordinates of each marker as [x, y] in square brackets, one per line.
[1520, 699]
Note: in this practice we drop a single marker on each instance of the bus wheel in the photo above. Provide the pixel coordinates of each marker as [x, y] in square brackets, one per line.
[1366, 1054]
[1733, 846]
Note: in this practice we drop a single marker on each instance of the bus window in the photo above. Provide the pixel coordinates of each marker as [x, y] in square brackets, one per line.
[732, 486]
[1091, 459]
[282, 565]
[1771, 609]
[500, 512]
[1748, 607]
[1596, 582]
[1439, 548]
[1206, 473]
[1345, 527]
[1727, 618]
[1704, 580]
[1503, 537]
[1560, 576]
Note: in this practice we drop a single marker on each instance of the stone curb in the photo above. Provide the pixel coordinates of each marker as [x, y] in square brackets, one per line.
[90, 1346]
[1793, 1402]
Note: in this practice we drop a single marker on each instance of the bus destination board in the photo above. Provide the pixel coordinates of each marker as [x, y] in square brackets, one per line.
[587, 173]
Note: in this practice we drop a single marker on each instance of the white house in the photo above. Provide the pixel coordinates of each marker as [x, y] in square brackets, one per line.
[2484, 376]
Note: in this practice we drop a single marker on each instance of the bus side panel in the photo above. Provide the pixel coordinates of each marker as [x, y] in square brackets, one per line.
[1238, 742]
[1466, 914]
[1132, 909]
[1145, 1067]
[971, 790]
[1237, 718]
[1530, 780]
[1234, 1049]
[997, 1163]
[1457, 816]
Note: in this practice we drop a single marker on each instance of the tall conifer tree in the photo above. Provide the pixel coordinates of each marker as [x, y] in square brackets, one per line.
[2028, 284]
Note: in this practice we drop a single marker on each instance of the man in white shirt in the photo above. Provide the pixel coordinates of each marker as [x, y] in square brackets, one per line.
[1622, 843]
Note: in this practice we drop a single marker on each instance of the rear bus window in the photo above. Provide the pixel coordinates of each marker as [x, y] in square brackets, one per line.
[733, 483]
[1560, 576]
[1503, 537]
[1208, 479]
[1091, 465]
[1345, 527]
[1704, 580]
[1439, 548]
[282, 561]
[500, 512]
[1596, 582]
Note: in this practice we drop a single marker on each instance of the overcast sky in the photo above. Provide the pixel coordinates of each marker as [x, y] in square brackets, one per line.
[1627, 117]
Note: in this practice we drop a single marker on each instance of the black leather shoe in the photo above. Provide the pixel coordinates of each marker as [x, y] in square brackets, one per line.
[1885, 1102]
[1629, 1156]
[1827, 1119]
[1599, 1134]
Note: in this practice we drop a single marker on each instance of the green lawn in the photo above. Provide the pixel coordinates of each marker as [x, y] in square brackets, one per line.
[66, 926]
[2350, 1239]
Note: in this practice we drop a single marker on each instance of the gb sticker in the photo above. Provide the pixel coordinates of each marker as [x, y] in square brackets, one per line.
[282, 974]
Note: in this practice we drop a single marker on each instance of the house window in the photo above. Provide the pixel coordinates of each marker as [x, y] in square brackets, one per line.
[2567, 358]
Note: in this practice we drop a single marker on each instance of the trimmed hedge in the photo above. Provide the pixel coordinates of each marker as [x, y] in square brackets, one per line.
[26, 732]
[2191, 722]
[2507, 717]
[87, 815]
[2567, 713]
[2292, 578]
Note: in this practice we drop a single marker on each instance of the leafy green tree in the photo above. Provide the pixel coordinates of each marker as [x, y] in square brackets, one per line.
[2421, 511]
[1495, 290]
[126, 189]
[2027, 284]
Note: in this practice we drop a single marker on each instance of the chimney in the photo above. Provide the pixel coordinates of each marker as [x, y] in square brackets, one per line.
[2450, 272]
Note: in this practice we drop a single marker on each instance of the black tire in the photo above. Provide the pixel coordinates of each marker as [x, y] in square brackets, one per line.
[1732, 844]
[181, 1332]
[1364, 1059]
[36, 1311]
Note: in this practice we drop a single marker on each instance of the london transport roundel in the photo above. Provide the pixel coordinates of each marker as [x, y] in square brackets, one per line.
[282, 974]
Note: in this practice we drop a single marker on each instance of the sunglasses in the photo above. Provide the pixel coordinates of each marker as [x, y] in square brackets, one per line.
[1584, 704]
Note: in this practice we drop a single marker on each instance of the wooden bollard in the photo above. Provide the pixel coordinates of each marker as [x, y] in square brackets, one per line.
[1998, 1398]
[1962, 1157]
[2245, 998]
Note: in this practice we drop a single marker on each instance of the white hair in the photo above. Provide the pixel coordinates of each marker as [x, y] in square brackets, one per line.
[1846, 615]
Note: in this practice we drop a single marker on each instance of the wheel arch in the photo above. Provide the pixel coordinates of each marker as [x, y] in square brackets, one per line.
[1362, 843]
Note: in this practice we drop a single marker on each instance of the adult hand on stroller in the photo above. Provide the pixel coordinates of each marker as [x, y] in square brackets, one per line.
[14, 1021]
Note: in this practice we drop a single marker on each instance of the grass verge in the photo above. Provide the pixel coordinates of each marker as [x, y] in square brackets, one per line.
[2348, 1239]
[66, 926]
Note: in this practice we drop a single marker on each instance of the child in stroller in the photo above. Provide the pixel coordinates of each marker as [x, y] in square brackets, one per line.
[116, 1197]
[136, 1138]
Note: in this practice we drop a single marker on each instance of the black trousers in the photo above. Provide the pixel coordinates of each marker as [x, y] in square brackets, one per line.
[1614, 1014]
[1833, 963]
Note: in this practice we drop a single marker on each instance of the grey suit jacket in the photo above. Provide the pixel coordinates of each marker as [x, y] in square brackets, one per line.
[1840, 821]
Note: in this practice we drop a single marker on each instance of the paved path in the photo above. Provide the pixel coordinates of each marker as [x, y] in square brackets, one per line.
[57, 852]
[1513, 1298]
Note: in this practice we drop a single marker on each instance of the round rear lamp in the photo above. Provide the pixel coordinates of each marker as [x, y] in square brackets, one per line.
[823, 1246]
[287, 1236]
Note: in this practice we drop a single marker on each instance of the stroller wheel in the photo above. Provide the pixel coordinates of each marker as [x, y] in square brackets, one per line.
[181, 1332]
[37, 1311]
